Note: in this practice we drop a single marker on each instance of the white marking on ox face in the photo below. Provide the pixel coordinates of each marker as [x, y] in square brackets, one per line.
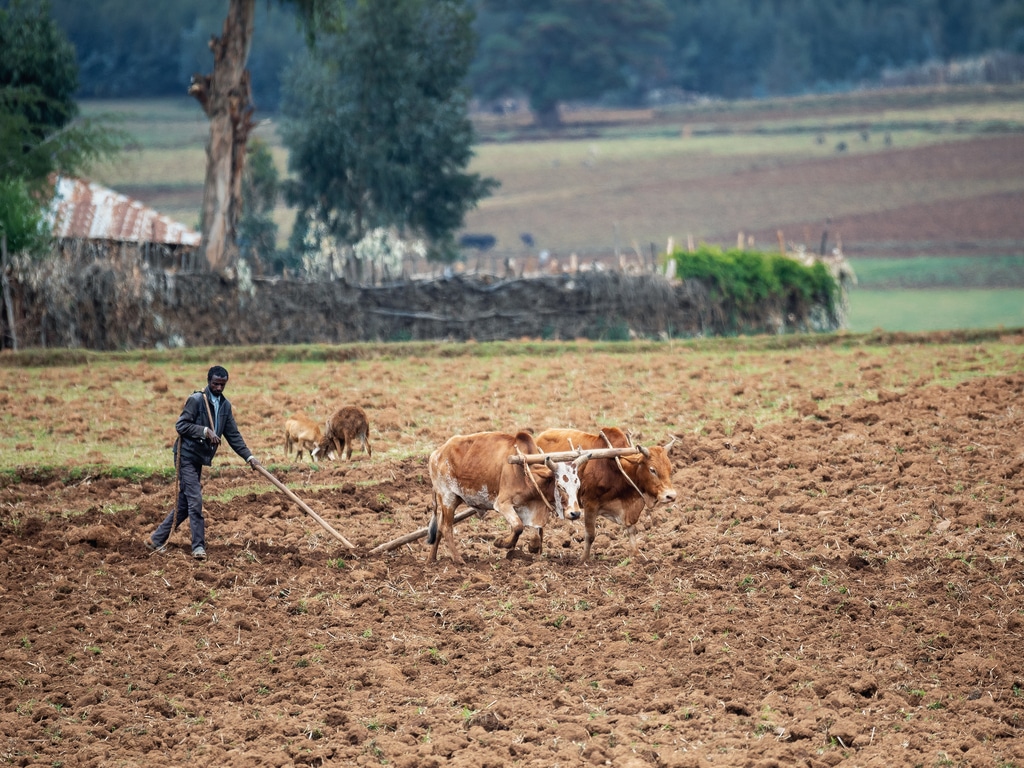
[567, 491]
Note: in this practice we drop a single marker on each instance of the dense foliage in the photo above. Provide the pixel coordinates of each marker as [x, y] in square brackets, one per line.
[557, 50]
[624, 49]
[38, 78]
[746, 281]
[257, 231]
[377, 127]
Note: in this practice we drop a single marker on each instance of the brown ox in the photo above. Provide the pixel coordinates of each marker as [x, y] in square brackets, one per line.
[303, 434]
[345, 426]
[605, 490]
[474, 470]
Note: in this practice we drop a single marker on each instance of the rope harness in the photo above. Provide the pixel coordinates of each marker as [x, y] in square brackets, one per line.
[629, 480]
[529, 474]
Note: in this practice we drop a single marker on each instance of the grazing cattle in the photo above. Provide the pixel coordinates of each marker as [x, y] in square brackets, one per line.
[345, 426]
[302, 433]
[474, 470]
[606, 490]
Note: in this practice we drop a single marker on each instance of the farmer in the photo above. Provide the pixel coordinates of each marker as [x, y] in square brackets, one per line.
[205, 420]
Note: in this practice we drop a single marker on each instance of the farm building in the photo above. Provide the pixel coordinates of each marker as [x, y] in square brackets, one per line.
[91, 222]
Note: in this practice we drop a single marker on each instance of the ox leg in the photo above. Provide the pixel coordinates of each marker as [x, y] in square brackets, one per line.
[536, 545]
[590, 526]
[515, 526]
[634, 551]
[446, 531]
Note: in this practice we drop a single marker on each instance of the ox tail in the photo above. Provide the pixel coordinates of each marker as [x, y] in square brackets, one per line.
[432, 525]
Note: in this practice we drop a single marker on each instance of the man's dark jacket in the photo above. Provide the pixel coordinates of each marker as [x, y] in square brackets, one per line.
[193, 420]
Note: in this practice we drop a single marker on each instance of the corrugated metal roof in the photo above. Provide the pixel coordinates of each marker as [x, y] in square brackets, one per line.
[86, 210]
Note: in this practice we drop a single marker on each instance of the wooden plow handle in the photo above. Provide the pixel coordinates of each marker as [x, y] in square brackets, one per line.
[305, 508]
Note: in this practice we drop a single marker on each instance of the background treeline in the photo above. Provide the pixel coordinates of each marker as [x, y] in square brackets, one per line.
[724, 48]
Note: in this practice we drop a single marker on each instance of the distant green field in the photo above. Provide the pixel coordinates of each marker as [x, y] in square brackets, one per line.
[940, 272]
[935, 309]
[932, 293]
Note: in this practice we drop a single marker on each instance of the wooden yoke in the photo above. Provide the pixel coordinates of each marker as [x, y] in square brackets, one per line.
[578, 455]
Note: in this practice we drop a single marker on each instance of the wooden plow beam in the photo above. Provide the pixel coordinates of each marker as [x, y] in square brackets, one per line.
[417, 534]
[593, 453]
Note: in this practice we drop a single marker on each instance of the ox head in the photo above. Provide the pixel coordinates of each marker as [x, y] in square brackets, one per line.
[567, 488]
[652, 472]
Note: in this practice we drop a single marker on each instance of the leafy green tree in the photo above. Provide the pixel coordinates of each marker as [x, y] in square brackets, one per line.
[557, 50]
[38, 138]
[377, 125]
[38, 76]
[257, 232]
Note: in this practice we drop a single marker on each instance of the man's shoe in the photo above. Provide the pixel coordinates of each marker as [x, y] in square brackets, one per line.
[152, 546]
[199, 553]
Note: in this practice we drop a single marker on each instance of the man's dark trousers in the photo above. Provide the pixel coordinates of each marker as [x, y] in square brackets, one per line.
[189, 504]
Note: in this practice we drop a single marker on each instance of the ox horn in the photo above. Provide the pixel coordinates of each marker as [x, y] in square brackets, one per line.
[549, 464]
[670, 443]
[645, 451]
[582, 459]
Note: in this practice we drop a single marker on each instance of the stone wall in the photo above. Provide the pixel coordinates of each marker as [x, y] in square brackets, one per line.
[109, 306]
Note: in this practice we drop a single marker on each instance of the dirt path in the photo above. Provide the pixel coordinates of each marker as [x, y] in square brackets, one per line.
[844, 587]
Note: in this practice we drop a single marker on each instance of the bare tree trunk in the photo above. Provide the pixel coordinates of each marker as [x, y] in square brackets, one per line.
[8, 304]
[226, 98]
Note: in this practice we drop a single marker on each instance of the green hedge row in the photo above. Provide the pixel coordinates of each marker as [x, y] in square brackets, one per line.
[748, 283]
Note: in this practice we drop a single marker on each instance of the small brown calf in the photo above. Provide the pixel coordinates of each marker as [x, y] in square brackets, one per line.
[345, 426]
[304, 434]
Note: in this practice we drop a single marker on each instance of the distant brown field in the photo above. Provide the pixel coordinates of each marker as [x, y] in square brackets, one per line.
[964, 195]
[936, 171]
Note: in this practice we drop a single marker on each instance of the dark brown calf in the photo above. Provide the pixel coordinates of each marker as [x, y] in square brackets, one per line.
[345, 426]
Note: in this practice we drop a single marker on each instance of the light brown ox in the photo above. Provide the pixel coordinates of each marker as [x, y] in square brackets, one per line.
[605, 490]
[474, 470]
[302, 433]
[346, 425]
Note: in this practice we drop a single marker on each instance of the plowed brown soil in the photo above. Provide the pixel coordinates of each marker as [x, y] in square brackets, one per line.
[844, 586]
